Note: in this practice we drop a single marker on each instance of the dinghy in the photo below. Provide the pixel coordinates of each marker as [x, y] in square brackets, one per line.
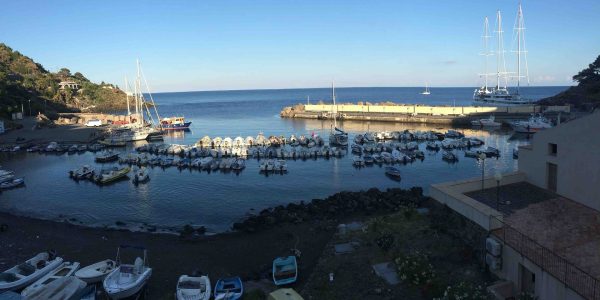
[229, 289]
[127, 279]
[96, 272]
[24, 274]
[392, 172]
[65, 269]
[68, 287]
[141, 176]
[285, 270]
[12, 183]
[193, 288]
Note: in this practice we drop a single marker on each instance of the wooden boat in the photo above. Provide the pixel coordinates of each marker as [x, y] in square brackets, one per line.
[229, 289]
[108, 176]
[96, 272]
[26, 273]
[193, 288]
[285, 270]
[12, 183]
[65, 269]
[127, 279]
[393, 172]
[68, 287]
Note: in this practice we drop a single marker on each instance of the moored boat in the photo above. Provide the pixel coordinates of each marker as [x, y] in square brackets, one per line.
[107, 156]
[67, 287]
[107, 176]
[141, 175]
[392, 172]
[174, 123]
[193, 288]
[12, 183]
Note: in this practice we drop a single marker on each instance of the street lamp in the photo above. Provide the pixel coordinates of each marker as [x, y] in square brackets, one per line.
[498, 177]
[482, 157]
[30, 107]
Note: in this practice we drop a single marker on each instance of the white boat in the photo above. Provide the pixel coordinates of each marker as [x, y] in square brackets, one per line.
[96, 272]
[65, 269]
[205, 142]
[216, 142]
[489, 122]
[280, 165]
[532, 125]
[239, 141]
[141, 175]
[336, 136]
[357, 161]
[8, 177]
[500, 95]
[26, 273]
[193, 288]
[127, 279]
[83, 172]
[12, 183]
[227, 142]
[426, 91]
[67, 287]
[239, 164]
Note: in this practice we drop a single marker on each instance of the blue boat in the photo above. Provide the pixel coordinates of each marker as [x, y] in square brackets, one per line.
[285, 270]
[393, 172]
[229, 289]
[175, 123]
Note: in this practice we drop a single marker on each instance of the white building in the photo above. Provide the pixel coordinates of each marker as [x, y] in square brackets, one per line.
[544, 239]
[70, 84]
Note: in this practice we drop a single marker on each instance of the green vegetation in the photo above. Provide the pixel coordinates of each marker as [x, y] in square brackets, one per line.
[585, 94]
[27, 85]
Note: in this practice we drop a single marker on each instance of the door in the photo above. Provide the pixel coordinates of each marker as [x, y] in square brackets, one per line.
[527, 280]
[552, 176]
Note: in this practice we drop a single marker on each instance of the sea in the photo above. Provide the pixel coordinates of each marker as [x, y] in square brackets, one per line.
[173, 197]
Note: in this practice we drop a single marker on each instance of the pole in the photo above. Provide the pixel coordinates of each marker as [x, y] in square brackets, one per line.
[29, 107]
[498, 195]
[482, 173]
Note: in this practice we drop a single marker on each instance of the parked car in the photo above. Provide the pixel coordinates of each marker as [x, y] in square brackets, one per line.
[93, 123]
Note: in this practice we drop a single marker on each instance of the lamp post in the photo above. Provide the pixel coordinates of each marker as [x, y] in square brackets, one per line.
[29, 107]
[482, 157]
[498, 177]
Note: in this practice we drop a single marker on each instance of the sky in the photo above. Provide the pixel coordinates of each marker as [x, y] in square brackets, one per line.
[224, 45]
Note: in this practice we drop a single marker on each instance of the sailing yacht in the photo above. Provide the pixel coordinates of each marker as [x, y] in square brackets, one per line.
[336, 136]
[426, 92]
[500, 95]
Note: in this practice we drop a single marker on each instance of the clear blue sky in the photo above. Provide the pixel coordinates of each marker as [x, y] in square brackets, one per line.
[210, 45]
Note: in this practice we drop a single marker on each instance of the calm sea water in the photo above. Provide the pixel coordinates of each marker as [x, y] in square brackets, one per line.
[216, 200]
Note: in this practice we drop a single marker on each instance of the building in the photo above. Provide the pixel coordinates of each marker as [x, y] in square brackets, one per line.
[70, 84]
[543, 222]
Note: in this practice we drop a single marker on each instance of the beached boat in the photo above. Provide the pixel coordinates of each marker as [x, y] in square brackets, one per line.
[65, 269]
[12, 183]
[392, 172]
[107, 176]
[107, 156]
[141, 175]
[127, 279]
[26, 273]
[96, 272]
[284, 294]
[285, 270]
[193, 288]
[229, 289]
[174, 123]
[67, 287]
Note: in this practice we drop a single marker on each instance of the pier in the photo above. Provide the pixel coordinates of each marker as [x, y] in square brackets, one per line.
[404, 113]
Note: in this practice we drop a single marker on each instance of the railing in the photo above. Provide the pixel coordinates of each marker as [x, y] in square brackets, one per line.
[584, 284]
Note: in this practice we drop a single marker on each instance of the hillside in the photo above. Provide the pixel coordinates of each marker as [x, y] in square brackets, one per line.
[586, 94]
[22, 79]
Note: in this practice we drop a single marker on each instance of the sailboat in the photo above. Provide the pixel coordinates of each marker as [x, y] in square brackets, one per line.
[336, 136]
[499, 95]
[426, 92]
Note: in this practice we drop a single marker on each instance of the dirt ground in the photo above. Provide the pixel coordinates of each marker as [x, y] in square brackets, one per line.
[247, 255]
[60, 133]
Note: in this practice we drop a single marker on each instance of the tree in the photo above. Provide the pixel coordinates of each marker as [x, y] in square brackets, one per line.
[64, 73]
[80, 76]
[589, 75]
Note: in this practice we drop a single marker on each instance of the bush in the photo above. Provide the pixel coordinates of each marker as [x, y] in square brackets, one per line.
[415, 269]
[465, 291]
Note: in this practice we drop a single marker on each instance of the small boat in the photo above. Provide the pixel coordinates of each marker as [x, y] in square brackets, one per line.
[284, 294]
[84, 171]
[426, 91]
[491, 152]
[7, 177]
[26, 273]
[469, 153]
[65, 269]
[489, 122]
[193, 288]
[280, 165]
[174, 123]
[141, 175]
[285, 270]
[111, 175]
[239, 164]
[96, 272]
[449, 156]
[368, 159]
[107, 156]
[67, 287]
[127, 279]
[393, 172]
[229, 289]
[12, 183]
[357, 161]
[533, 125]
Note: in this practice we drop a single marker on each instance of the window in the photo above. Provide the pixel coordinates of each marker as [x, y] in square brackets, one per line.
[552, 149]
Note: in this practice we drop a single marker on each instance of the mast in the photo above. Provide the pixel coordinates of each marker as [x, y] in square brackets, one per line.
[500, 50]
[140, 96]
[127, 97]
[520, 29]
[486, 52]
[334, 106]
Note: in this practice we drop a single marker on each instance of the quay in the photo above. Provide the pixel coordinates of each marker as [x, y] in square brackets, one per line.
[405, 113]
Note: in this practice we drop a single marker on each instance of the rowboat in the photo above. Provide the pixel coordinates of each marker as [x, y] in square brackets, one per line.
[193, 288]
[229, 289]
[285, 270]
[96, 272]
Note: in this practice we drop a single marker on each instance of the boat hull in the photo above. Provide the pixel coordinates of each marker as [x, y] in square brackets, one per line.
[183, 126]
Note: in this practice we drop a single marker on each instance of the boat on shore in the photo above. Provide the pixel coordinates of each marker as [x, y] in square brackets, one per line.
[174, 123]
[285, 270]
[96, 272]
[193, 288]
[229, 289]
[31, 270]
[127, 279]
[65, 269]
[67, 287]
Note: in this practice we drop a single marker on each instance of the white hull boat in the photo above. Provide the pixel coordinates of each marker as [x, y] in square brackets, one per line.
[127, 279]
[68, 287]
[65, 269]
[26, 273]
[96, 272]
[193, 288]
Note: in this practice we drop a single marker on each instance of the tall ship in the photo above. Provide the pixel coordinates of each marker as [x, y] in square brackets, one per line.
[337, 136]
[500, 95]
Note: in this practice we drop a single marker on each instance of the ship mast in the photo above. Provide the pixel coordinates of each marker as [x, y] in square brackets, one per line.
[501, 65]
[334, 106]
[486, 36]
[520, 29]
[127, 97]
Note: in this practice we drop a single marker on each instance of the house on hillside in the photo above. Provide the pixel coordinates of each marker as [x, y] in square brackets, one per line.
[70, 84]
[543, 222]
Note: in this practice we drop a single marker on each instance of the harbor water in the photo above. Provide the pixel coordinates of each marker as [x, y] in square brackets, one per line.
[176, 197]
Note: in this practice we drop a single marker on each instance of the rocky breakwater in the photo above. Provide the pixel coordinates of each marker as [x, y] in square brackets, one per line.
[341, 204]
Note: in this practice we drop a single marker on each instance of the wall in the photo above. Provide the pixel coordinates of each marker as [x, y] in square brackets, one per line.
[428, 110]
[578, 159]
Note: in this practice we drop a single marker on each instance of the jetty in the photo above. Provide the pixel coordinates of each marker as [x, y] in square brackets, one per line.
[414, 113]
